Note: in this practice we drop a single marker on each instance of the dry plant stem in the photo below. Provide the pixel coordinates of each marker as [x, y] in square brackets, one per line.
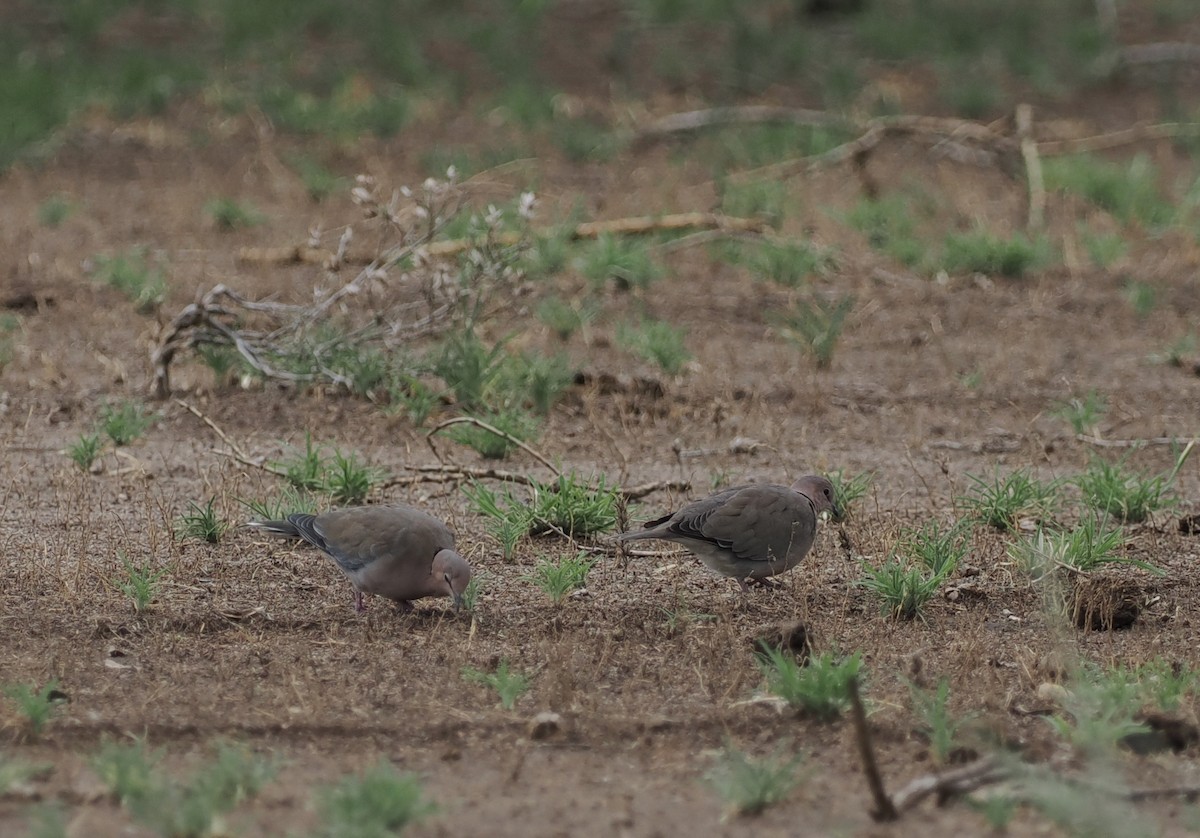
[948, 784]
[242, 455]
[884, 809]
[450, 473]
[479, 423]
[710, 222]
[1136, 443]
[1033, 168]
[1116, 139]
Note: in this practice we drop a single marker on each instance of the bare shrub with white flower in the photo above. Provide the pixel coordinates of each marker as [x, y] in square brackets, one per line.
[412, 282]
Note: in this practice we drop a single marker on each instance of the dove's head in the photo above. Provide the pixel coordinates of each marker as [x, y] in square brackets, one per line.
[820, 491]
[451, 575]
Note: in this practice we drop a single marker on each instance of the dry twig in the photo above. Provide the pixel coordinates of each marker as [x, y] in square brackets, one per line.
[885, 809]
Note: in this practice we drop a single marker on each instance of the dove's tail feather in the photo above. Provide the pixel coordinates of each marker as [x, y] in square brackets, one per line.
[636, 535]
[276, 528]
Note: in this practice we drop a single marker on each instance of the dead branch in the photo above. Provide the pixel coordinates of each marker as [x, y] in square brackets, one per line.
[452, 473]
[637, 225]
[884, 809]
[1033, 169]
[1141, 55]
[479, 423]
[1137, 443]
[691, 121]
[242, 456]
[948, 784]
[1115, 139]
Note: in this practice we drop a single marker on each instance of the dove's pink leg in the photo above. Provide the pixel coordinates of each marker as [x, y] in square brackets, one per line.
[358, 603]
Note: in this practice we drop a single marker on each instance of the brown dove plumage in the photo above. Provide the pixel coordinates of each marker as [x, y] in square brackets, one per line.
[748, 532]
[397, 552]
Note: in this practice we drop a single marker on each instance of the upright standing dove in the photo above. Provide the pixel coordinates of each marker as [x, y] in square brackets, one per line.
[397, 552]
[748, 532]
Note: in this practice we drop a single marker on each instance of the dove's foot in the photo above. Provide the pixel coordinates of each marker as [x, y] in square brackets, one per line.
[358, 603]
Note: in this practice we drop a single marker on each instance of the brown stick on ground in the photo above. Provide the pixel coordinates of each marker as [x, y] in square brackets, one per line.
[636, 225]
[884, 809]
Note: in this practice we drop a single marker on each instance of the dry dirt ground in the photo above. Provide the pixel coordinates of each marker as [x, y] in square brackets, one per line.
[255, 640]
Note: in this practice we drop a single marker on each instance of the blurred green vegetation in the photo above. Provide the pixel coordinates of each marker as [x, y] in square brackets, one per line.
[342, 69]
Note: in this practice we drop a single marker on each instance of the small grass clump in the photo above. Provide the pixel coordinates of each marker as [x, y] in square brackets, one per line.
[560, 579]
[940, 726]
[508, 683]
[788, 263]
[189, 809]
[748, 785]
[470, 368]
[342, 476]
[1129, 191]
[569, 505]
[1084, 548]
[657, 342]
[1099, 707]
[939, 550]
[815, 325]
[1001, 502]
[765, 199]
[84, 451]
[563, 318]
[37, 706]
[625, 261]
[979, 251]
[1082, 413]
[126, 422]
[1129, 496]
[903, 588]
[54, 210]
[513, 424]
[850, 488]
[1103, 249]
[228, 214]
[289, 501]
[348, 481]
[132, 275]
[574, 507]
[201, 523]
[1142, 297]
[138, 584]
[819, 689]
[380, 803]
[888, 226]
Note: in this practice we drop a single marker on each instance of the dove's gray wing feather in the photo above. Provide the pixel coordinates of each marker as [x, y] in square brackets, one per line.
[358, 537]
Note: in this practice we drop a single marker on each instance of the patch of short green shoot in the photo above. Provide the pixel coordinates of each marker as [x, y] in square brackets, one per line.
[819, 689]
[1129, 496]
[940, 726]
[125, 422]
[474, 589]
[902, 587]
[513, 424]
[380, 803]
[139, 584]
[1177, 352]
[850, 488]
[201, 522]
[558, 580]
[348, 481]
[938, 549]
[84, 451]
[187, 809]
[228, 214]
[1001, 502]
[1099, 708]
[1087, 546]
[508, 520]
[1142, 297]
[133, 276]
[1082, 413]
[979, 251]
[565, 319]
[54, 210]
[289, 501]
[658, 342]
[572, 506]
[815, 325]
[624, 261]
[36, 705]
[748, 785]
[508, 683]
